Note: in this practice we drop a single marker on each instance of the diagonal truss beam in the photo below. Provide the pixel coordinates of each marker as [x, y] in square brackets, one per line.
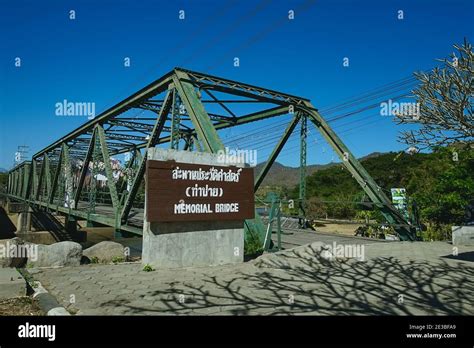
[160, 122]
[362, 177]
[276, 151]
[205, 130]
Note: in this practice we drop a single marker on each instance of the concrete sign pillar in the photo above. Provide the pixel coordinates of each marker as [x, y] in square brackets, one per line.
[177, 244]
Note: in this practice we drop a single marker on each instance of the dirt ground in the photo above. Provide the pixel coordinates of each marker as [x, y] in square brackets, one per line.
[347, 229]
[19, 306]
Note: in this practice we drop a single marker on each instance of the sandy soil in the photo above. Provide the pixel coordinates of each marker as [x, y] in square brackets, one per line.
[19, 306]
[336, 228]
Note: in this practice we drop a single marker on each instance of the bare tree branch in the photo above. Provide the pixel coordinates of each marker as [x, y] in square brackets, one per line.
[445, 97]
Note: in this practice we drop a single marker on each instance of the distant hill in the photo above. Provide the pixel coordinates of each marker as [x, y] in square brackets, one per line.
[281, 175]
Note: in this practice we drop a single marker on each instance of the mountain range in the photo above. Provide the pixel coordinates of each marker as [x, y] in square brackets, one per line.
[281, 175]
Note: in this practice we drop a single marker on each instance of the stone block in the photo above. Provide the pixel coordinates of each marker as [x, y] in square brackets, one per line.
[463, 235]
[12, 283]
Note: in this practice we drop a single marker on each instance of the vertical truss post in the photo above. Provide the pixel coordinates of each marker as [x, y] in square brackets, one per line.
[175, 121]
[273, 216]
[54, 185]
[9, 185]
[189, 143]
[93, 180]
[68, 180]
[108, 170]
[24, 181]
[256, 225]
[130, 175]
[15, 182]
[21, 181]
[47, 171]
[302, 188]
[39, 186]
[84, 170]
[32, 180]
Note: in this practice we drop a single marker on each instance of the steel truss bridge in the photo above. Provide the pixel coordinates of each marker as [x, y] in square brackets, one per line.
[184, 110]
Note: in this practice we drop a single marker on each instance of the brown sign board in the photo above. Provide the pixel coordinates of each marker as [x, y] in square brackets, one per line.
[195, 192]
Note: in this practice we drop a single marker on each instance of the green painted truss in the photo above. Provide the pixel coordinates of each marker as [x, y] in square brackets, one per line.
[186, 110]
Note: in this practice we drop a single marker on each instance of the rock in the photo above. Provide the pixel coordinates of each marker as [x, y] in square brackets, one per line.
[327, 254]
[463, 235]
[13, 253]
[105, 252]
[57, 255]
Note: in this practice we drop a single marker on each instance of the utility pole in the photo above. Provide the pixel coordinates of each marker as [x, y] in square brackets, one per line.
[302, 193]
[21, 154]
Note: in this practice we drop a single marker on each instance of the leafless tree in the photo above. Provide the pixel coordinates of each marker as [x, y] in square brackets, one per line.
[445, 97]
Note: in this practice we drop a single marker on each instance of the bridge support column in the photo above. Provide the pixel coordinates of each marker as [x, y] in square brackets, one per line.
[24, 220]
[70, 225]
[191, 243]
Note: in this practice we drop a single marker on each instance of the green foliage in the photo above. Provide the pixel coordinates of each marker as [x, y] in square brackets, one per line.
[436, 232]
[3, 181]
[252, 245]
[118, 259]
[28, 277]
[94, 259]
[315, 208]
[148, 268]
[377, 232]
[443, 187]
[441, 183]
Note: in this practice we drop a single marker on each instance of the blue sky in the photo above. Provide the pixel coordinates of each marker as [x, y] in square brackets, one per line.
[82, 59]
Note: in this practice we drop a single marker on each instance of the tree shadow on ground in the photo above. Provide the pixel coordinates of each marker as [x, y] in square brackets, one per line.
[466, 256]
[293, 284]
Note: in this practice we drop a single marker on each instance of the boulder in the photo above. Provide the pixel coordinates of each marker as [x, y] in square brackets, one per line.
[13, 253]
[105, 251]
[57, 255]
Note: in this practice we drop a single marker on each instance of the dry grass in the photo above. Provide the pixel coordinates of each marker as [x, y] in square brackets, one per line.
[19, 306]
[337, 228]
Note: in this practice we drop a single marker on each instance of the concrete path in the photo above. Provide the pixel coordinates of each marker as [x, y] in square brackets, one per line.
[404, 278]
